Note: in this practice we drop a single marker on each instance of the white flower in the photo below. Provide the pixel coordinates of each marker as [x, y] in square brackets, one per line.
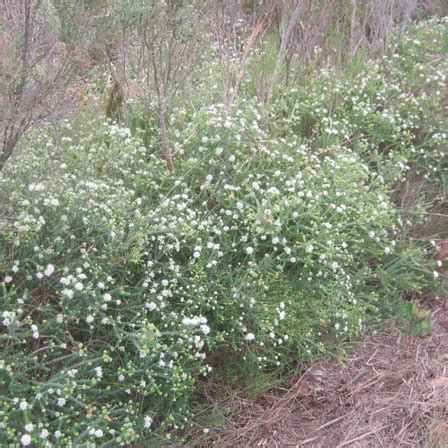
[61, 402]
[8, 279]
[36, 187]
[107, 297]
[249, 250]
[8, 317]
[193, 321]
[205, 329]
[151, 306]
[69, 293]
[25, 440]
[29, 427]
[99, 372]
[99, 433]
[57, 434]
[49, 270]
[436, 274]
[147, 421]
[59, 318]
[79, 286]
[387, 250]
[90, 319]
[23, 406]
[44, 434]
[250, 337]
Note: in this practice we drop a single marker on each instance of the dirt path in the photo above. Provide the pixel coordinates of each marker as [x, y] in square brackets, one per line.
[392, 392]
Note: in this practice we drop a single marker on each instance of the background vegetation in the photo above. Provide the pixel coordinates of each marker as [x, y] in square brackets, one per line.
[194, 190]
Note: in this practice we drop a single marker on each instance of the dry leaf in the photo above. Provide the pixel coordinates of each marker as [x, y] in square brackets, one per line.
[439, 381]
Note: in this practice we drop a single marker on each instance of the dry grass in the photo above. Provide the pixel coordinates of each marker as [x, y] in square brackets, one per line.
[392, 392]
[434, 223]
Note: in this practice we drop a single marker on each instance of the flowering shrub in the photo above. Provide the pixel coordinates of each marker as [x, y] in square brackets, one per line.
[122, 285]
[389, 111]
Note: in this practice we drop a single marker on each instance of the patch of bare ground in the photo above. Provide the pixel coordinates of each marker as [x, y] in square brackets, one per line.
[392, 392]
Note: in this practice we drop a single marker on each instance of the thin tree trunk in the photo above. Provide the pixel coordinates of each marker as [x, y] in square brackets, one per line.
[166, 153]
[9, 141]
[286, 36]
[353, 28]
[7, 150]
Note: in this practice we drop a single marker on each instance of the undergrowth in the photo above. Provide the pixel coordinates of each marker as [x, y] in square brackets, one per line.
[275, 241]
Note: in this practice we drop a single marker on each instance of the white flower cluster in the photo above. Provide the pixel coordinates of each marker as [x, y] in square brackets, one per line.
[267, 242]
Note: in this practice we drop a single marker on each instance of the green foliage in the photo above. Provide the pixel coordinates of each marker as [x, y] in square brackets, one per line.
[273, 242]
[419, 319]
[114, 104]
